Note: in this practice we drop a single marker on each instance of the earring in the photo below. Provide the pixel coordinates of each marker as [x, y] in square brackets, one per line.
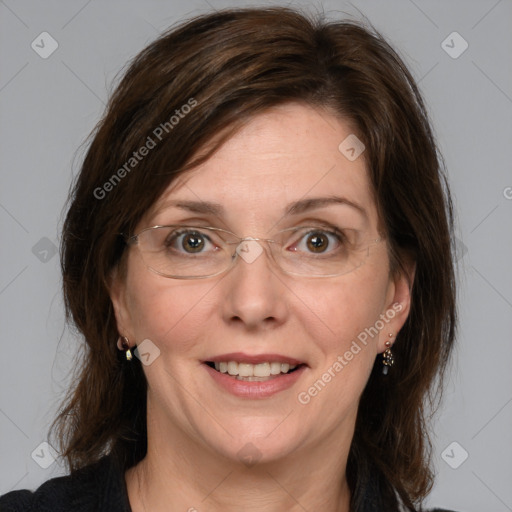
[387, 357]
[123, 345]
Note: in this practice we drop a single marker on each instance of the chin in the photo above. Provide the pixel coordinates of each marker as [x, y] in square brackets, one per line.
[256, 440]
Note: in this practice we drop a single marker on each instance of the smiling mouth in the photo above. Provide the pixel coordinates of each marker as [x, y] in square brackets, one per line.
[253, 372]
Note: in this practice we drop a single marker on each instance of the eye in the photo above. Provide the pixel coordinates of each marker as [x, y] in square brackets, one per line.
[319, 241]
[191, 241]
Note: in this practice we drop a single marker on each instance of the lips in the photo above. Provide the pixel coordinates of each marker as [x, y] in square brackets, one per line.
[254, 376]
[255, 387]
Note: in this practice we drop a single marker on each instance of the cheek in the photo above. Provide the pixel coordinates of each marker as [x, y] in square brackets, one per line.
[164, 311]
[345, 309]
[345, 337]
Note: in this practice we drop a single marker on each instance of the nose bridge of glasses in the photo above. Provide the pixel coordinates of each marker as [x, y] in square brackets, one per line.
[238, 241]
[249, 249]
[251, 238]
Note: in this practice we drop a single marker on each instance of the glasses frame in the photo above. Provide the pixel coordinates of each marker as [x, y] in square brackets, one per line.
[134, 240]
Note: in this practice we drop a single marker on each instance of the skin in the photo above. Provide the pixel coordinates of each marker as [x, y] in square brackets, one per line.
[195, 428]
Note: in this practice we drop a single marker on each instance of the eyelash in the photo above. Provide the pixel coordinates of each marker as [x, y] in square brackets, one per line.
[326, 229]
[334, 232]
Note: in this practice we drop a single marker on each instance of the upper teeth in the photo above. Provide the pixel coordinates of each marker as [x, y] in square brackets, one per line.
[253, 370]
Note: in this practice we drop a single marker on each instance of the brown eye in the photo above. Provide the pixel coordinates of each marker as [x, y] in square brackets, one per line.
[192, 242]
[187, 241]
[317, 242]
[322, 242]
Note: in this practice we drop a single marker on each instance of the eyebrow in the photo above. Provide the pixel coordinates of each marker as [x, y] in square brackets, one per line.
[317, 202]
[295, 208]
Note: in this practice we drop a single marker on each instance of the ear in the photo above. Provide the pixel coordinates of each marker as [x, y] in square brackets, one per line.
[397, 303]
[118, 296]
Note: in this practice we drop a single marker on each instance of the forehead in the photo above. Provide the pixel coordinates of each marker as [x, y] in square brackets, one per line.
[288, 154]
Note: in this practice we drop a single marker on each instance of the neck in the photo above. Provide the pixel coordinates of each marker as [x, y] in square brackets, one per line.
[270, 487]
[170, 481]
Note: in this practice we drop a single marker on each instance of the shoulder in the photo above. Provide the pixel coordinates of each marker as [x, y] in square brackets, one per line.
[98, 487]
[372, 499]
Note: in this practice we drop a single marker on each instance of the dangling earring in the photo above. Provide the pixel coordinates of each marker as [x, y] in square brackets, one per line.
[387, 357]
[123, 345]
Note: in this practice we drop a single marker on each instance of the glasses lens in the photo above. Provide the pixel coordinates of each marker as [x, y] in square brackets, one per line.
[195, 252]
[323, 252]
[183, 251]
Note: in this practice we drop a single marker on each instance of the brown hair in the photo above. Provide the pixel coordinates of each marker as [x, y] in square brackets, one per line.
[229, 66]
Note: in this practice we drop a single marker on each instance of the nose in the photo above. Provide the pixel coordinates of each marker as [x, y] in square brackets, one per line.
[255, 292]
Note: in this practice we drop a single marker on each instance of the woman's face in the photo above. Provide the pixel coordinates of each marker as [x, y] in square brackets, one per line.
[333, 326]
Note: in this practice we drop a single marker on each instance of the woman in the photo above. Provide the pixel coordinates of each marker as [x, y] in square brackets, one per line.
[260, 229]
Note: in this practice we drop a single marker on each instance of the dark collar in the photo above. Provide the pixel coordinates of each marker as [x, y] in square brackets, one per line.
[113, 497]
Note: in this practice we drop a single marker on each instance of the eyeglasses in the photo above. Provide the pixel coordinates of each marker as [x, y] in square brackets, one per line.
[191, 252]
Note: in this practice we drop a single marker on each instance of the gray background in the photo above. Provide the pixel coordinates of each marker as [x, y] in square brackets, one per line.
[48, 106]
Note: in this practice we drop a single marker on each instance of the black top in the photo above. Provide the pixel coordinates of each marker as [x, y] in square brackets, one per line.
[101, 487]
